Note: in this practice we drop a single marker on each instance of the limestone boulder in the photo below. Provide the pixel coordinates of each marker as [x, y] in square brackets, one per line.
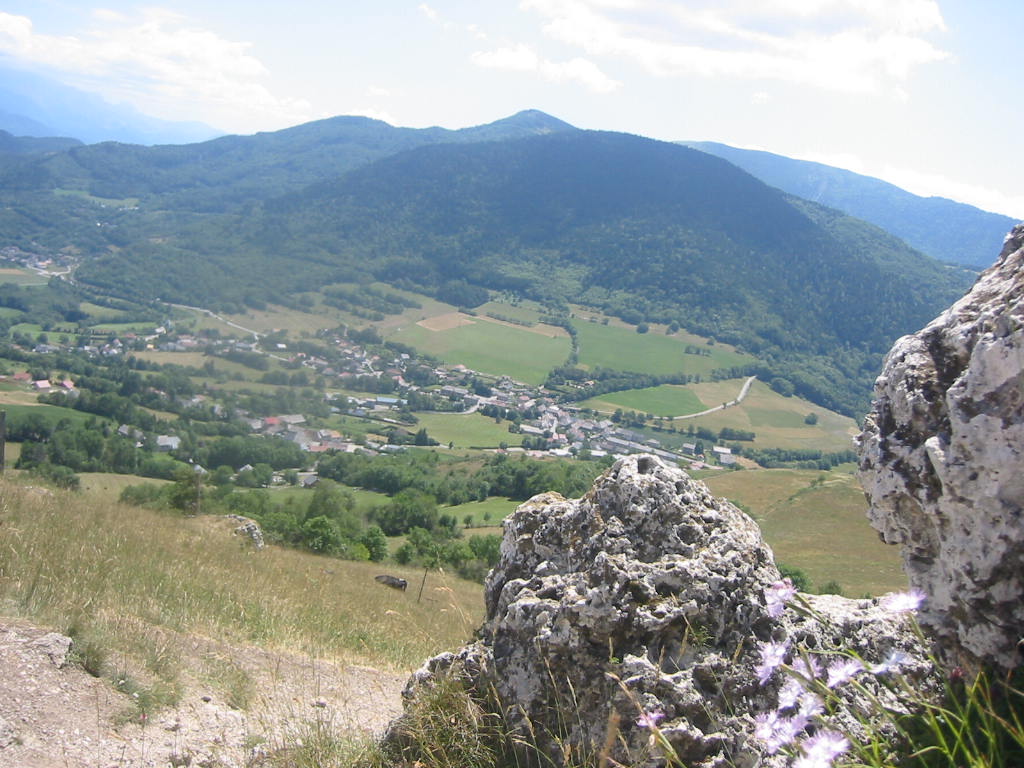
[942, 463]
[646, 598]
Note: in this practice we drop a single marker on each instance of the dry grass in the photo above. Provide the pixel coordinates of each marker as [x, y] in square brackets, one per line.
[123, 573]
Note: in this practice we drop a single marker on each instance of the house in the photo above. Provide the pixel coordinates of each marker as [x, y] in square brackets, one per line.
[41, 386]
[721, 450]
[165, 443]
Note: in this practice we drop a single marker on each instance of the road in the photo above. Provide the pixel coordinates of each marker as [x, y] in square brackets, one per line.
[219, 318]
[739, 399]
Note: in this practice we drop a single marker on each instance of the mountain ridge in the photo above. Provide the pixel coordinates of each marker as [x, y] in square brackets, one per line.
[950, 231]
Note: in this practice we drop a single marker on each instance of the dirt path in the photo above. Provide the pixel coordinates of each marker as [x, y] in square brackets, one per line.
[53, 714]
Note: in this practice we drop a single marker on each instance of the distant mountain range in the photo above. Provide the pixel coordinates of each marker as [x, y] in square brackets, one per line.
[946, 230]
[643, 229]
[32, 104]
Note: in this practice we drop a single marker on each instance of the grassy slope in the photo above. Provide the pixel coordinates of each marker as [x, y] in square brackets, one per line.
[128, 573]
[821, 529]
[467, 430]
[666, 400]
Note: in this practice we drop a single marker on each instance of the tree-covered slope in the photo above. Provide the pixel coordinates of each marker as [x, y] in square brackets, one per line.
[644, 229]
[946, 230]
[231, 171]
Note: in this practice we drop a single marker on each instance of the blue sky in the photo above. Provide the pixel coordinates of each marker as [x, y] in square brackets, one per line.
[923, 93]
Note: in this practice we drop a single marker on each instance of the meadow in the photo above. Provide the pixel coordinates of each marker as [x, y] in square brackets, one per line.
[489, 347]
[777, 421]
[131, 575]
[623, 349]
[817, 522]
[666, 400]
[468, 430]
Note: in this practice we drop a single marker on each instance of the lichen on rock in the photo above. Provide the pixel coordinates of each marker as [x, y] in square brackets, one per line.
[942, 463]
[648, 594]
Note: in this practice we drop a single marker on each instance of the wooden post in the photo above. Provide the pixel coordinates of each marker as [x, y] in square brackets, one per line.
[422, 584]
[3, 439]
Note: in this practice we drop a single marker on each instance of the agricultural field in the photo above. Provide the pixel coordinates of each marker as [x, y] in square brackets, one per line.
[666, 400]
[488, 513]
[622, 348]
[19, 276]
[817, 522]
[525, 354]
[778, 421]
[473, 429]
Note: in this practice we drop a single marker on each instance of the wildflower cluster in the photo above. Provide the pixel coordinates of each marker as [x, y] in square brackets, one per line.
[798, 725]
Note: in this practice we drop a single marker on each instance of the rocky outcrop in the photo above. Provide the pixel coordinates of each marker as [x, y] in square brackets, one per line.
[942, 463]
[649, 597]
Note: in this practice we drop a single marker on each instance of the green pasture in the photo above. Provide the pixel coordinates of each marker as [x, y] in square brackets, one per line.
[623, 349]
[51, 413]
[526, 311]
[467, 430]
[489, 512]
[100, 312]
[9, 312]
[110, 202]
[816, 522]
[19, 276]
[777, 421]
[524, 354]
[666, 400]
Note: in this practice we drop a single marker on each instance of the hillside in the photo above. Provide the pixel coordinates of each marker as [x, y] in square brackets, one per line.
[642, 229]
[946, 230]
[231, 171]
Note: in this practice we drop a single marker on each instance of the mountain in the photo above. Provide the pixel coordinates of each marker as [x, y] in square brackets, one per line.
[952, 232]
[31, 145]
[232, 171]
[34, 105]
[643, 229]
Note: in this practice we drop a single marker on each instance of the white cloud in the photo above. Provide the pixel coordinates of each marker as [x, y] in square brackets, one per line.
[842, 45]
[522, 58]
[761, 97]
[427, 11]
[161, 63]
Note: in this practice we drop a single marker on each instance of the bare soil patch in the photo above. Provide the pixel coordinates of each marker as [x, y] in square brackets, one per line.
[446, 321]
[55, 715]
[551, 331]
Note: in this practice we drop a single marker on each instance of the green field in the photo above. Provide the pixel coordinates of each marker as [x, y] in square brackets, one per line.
[52, 413]
[623, 349]
[819, 527]
[777, 421]
[489, 512]
[21, 276]
[464, 431]
[666, 400]
[524, 354]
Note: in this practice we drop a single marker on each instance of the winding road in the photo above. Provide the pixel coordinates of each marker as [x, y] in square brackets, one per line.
[739, 399]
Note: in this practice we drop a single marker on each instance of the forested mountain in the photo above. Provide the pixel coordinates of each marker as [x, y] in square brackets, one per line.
[644, 229]
[949, 231]
[229, 172]
[29, 145]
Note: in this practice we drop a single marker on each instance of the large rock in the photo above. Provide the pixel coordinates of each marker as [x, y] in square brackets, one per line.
[942, 463]
[648, 594]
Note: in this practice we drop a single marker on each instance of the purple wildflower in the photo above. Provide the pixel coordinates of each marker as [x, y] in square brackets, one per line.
[776, 731]
[650, 719]
[777, 595]
[772, 656]
[903, 602]
[842, 671]
[790, 693]
[892, 662]
[811, 705]
[807, 667]
[821, 749]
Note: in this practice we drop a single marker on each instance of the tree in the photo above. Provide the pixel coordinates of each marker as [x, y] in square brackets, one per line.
[811, 419]
[375, 542]
[186, 493]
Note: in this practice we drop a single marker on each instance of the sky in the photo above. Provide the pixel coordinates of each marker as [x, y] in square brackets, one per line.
[921, 93]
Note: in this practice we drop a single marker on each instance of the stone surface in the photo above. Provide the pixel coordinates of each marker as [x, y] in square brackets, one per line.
[942, 463]
[55, 646]
[648, 594]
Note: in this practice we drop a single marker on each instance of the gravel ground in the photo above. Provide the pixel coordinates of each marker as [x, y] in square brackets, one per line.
[53, 714]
